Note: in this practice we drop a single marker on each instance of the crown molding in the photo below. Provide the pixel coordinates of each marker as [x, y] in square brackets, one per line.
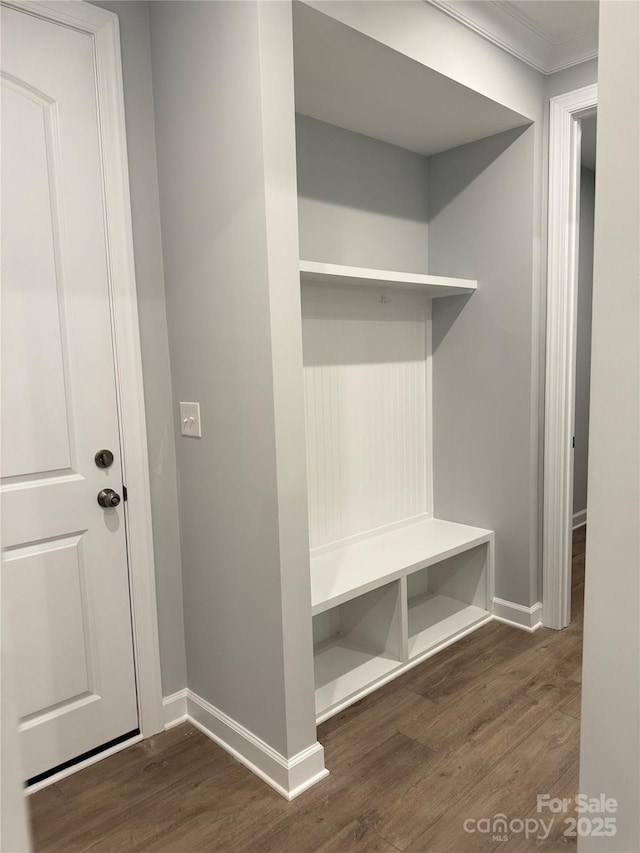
[506, 27]
[509, 8]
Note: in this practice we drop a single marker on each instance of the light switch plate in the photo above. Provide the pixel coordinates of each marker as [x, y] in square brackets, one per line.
[190, 420]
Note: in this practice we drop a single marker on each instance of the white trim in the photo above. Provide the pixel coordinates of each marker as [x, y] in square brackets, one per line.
[428, 409]
[579, 519]
[562, 289]
[517, 615]
[82, 765]
[512, 31]
[288, 776]
[103, 28]
[369, 534]
[174, 708]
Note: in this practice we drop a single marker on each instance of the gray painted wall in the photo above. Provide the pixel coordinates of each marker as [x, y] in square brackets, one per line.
[361, 201]
[583, 74]
[481, 208]
[223, 90]
[583, 341]
[141, 145]
[610, 736]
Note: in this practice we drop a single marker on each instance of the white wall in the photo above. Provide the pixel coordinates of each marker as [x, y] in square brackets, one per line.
[610, 739]
[366, 383]
[363, 202]
[223, 90]
[583, 342]
[145, 211]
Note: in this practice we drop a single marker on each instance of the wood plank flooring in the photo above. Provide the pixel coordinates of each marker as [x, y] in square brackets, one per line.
[475, 731]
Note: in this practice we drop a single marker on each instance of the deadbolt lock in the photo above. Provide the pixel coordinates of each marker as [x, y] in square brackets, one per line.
[104, 459]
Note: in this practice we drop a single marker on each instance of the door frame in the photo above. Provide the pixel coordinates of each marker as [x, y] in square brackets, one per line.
[103, 28]
[565, 133]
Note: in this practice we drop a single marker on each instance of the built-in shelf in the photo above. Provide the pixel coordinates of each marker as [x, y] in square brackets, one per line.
[351, 568]
[432, 285]
[383, 603]
[344, 669]
[371, 87]
[433, 618]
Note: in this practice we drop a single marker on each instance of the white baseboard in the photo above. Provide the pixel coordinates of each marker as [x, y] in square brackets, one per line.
[526, 618]
[579, 518]
[288, 776]
[174, 708]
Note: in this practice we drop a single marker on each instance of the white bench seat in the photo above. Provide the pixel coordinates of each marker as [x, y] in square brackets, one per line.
[343, 571]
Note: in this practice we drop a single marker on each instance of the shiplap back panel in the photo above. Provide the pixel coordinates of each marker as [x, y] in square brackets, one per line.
[367, 408]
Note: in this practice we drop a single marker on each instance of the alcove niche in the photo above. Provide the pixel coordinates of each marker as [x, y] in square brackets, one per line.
[398, 172]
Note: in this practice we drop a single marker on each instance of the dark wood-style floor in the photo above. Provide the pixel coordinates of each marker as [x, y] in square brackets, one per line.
[477, 730]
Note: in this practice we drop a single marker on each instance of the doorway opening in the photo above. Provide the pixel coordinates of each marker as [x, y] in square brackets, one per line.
[583, 321]
[567, 362]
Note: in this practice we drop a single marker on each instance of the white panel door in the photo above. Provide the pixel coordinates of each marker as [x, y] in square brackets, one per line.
[64, 573]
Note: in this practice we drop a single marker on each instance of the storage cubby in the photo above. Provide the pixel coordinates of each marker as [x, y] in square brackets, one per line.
[367, 630]
[356, 645]
[447, 600]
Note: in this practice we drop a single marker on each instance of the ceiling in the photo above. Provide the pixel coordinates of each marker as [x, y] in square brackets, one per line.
[557, 21]
[549, 35]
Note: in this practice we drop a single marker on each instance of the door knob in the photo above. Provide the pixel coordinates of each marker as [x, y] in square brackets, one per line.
[108, 498]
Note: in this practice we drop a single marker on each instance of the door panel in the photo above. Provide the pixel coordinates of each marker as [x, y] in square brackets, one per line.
[45, 585]
[65, 574]
[32, 330]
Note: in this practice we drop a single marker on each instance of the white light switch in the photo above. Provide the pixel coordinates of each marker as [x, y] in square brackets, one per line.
[190, 420]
